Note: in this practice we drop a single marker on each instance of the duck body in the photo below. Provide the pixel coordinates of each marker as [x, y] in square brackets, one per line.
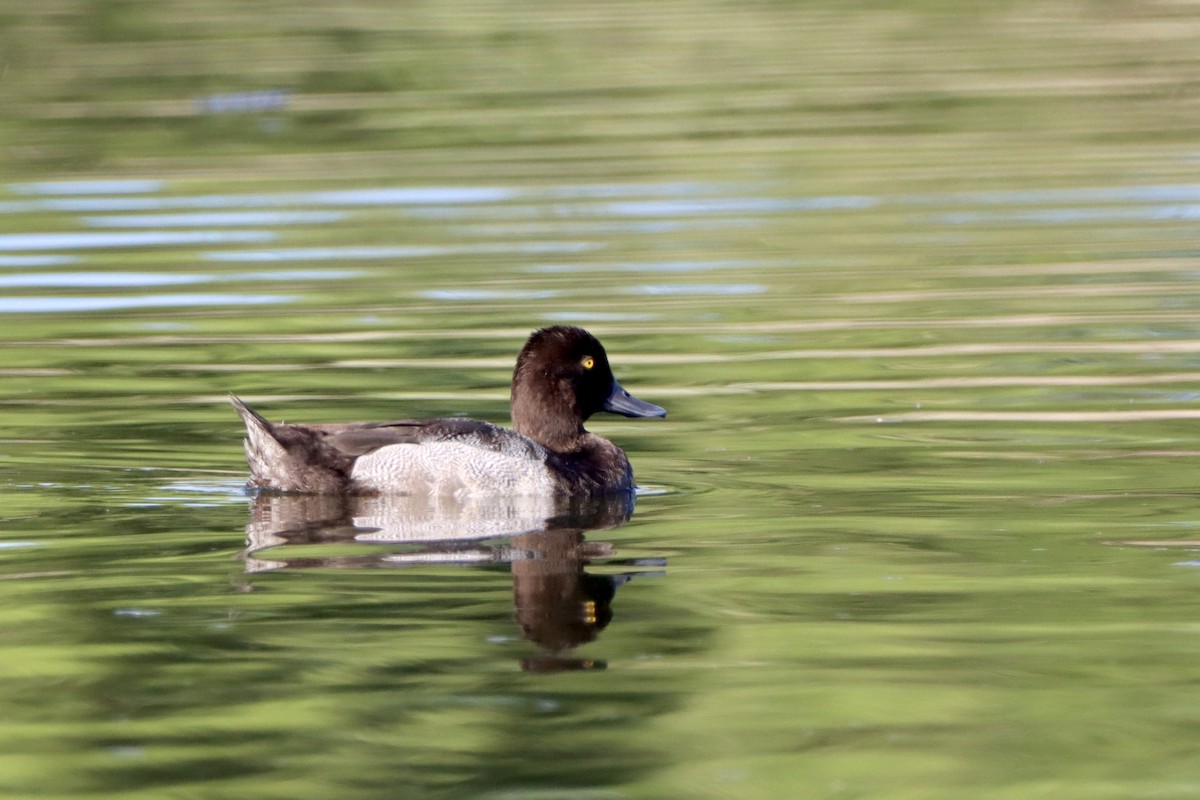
[561, 378]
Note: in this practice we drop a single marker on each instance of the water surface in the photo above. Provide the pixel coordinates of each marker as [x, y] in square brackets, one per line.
[918, 286]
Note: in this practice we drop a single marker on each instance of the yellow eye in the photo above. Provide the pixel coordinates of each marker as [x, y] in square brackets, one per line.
[588, 362]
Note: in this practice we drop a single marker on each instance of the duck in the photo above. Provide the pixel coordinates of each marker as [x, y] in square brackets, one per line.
[562, 377]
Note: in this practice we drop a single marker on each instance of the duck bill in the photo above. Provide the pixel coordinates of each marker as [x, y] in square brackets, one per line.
[621, 402]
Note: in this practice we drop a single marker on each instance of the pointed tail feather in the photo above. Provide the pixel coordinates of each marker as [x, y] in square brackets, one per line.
[290, 458]
[263, 448]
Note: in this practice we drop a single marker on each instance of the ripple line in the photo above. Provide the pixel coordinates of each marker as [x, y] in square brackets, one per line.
[1145, 415]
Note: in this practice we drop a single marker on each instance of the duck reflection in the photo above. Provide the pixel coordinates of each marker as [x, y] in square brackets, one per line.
[559, 605]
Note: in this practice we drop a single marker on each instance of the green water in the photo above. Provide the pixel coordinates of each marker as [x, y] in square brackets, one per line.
[917, 283]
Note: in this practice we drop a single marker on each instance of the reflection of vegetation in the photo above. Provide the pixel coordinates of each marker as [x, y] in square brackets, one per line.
[929, 608]
[374, 76]
[166, 672]
[122, 21]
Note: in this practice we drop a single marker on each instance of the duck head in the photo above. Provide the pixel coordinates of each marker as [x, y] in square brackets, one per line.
[561, 379]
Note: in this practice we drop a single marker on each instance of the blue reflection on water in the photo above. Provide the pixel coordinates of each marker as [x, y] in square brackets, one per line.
[677, 199]
[1162, 193]
[204, 219]
[698, 289]
[663, 207]
[149, 279]
[323, 253]
[489, 294]
[734, 205]
[609, 190]
[51, 305]
[399, 251]
[1058, 216]
[647, 266]
[406, 196]
[623, 226]
[96, 280]
[79, 241]
[386, 196]
[292, 275]
[87, 187]
[37, 261]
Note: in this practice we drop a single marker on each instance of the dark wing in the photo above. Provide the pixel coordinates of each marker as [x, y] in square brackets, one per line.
[358, 440]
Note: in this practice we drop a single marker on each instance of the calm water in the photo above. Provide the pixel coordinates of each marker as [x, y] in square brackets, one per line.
[917, 284]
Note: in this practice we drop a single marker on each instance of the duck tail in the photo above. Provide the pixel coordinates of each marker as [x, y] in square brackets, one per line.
[263, 446]
[290, 458]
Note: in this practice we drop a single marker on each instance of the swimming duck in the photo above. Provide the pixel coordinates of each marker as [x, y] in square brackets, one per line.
[562, 378]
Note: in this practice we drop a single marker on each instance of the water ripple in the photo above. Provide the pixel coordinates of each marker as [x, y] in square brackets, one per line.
[1155, 193]
[736, 205]
[384, 196]
[53, 305]
[399, 251]
[489, 294]
[149, 279]
[217, 218]
[80, 241]
[37, 261]
[87, 187]
[699, 289]
[1060, 216]
[646, 266]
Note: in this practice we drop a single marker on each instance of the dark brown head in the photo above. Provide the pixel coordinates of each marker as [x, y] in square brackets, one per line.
[562, 377]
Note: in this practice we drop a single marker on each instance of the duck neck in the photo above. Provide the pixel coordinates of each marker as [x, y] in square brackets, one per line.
[560, 438]
[547, 425]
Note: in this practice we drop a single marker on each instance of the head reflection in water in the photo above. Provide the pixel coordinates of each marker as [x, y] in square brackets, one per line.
[558, 604]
